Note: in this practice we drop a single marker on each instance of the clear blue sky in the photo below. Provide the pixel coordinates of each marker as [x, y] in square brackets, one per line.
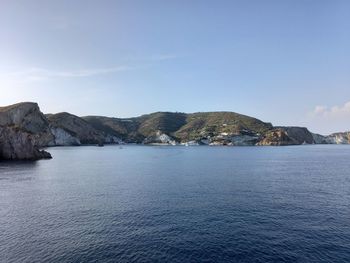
[286, 62]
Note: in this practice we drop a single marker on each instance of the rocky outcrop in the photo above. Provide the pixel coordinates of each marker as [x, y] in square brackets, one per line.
[62, 129]
[160, 138]
[27, 117]
[339, 138]
[80, 131]
[300, 135]
[291, 136]
[277, 137]
[63, 138]
[16, 144]
[23, 130]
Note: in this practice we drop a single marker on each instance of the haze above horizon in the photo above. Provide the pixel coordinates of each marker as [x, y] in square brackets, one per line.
[285, 62]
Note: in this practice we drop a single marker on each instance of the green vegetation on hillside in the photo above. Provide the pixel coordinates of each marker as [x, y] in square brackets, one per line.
[205, 124]
[181, 126]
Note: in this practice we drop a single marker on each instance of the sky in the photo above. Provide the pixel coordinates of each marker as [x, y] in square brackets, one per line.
[285, 62]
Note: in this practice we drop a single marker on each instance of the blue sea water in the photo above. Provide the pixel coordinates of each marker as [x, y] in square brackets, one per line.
[178, 204]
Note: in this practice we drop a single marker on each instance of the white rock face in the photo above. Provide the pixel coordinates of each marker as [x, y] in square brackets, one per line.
[63, 138]
[160, 138]
[338, 138]
[164, 138]
[113, 139]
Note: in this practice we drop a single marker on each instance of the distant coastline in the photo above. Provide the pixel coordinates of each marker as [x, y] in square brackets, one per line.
[24, 130]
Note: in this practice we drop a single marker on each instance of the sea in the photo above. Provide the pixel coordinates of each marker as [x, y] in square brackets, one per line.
[133, 203]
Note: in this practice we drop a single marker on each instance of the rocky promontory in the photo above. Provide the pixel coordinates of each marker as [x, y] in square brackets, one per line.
[21, 126]
[16, 144]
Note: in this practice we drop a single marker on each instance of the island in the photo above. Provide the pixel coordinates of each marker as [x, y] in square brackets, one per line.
[25, 131]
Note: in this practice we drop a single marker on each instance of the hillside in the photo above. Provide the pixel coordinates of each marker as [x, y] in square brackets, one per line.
[210, 124]
[216, 128]
[24, 129]
[180, 126]
[139, 128]
[77, 127]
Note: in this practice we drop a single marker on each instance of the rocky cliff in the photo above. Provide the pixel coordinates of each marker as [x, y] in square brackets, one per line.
[300, 135]
[339, 138]
[24, 120]
[16, 144]
[80, 131]
[23, 129]
[288, 136]
[277, 137]
[27, 117]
